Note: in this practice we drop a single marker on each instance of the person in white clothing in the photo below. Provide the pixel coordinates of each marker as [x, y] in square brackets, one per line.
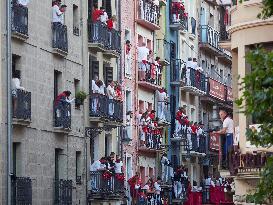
[104, 16]
[143, 53]
[189, 133]
[98, 165]
[161, 103]
[56, 13]
[199, 132]
[95, 91]
[15, 87]
[228, 131]
[118, 165]
[111, 95]
[23, 2]
[164, 167]
[194, 63]
[157, 188]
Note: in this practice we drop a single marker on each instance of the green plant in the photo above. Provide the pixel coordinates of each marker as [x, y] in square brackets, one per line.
[81, 95]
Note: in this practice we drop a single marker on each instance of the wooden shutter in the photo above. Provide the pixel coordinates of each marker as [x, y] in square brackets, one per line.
[108, 74]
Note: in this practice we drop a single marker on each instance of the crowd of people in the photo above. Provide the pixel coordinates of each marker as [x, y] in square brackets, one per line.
[113, 93]
[149, 68]
[184, 128]
[100, 14]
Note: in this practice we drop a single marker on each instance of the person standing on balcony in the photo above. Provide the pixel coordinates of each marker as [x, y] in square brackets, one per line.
[134, 183]
[104, 15]
[111, 95]
[189, 135]
[177, 182]
[95, 94]
[143, 53]
[15, 86]
[143, 128]
[189, 66]
[98, 165]
[118, 165]
[60, 104]
[63, 10]
[164, 167]
[200, 134]
[180, 122]
[157, 188]
[57, 13]
[227, 130]
[162, 98]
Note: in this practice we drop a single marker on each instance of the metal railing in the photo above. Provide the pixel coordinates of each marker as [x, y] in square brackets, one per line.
[21, 191]
[176, 70]
[22, 105]
[153, 73]
[102, 106]
[63, 192]
[103, 182]
[98, 32]
[194, 78]
[152, 141]
[197, 144]
[59, 40]
[224, 35]
[148, 199]
[148, 12]
[178, 15]
[62, 115]
[19, 19]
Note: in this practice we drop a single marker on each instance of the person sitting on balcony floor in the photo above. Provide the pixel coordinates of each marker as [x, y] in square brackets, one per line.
[227, 130]
[111, 96]
[143, 53]
[162, 98]
[15, 86]
[118, 165]
[104, 15]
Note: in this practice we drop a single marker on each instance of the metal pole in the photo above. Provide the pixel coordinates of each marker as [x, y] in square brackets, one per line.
[9, 101]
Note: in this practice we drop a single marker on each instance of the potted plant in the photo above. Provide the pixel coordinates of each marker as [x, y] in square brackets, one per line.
[80, 97]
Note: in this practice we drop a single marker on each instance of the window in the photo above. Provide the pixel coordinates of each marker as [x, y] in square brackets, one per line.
[128, 101]
[76, 86]
[142, 174]
[151, 172]
[60, 164]
[78, 167]
[221, 74]
[140, 40]
[94, 67]
[141, 106]
[150, 107]
[57, 83]
[15, 62]
[129, 167]
[149, 44]
[16, 159]
[107, 74]
[193, 117]
[76, 21]
[108, 143]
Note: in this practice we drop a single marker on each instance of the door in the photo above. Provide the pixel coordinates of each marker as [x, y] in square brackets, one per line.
[203, 25]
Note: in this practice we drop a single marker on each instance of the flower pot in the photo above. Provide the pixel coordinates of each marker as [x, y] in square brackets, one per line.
[78, 102]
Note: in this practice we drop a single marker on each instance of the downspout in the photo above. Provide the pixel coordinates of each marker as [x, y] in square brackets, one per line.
[9, 101]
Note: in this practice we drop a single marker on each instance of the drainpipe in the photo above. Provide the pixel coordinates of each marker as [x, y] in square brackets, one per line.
[9, 101]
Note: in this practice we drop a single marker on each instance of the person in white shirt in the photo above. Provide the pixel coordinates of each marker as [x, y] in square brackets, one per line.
[143, 53]
[161, 103]
[95, 91]
[189, 133]
[104, 16]
[98, 165]
[56, 13]
[189, 66]
[164, 167]
[111, 96]
[62, 9]
[194, 63]
[228, 131]
[129, 116]
[199, 133]
[118, 165]
[157, 188]
[15, 86]
[23, 2]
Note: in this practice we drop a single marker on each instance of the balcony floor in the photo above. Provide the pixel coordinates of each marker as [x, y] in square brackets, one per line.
[22, 122]
[59, 52]
[148, 85]
[111, 54]
[214, 51]
[97, 47]
[148, 24]
[193, 90]
[19, 36]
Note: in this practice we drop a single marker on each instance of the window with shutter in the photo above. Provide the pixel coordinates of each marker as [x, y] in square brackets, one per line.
[108, 7]
[93, 70]
[108, 74]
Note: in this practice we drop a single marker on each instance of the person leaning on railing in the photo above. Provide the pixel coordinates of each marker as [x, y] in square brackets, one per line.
[15, 86]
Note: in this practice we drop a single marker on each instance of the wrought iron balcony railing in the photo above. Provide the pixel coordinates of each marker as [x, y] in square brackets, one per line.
[22, 106]
[63, 192]
[99, 33]
[62, 115]
[19, 19]
[194, 78]
[105, 184]
[193, 26]
[59, 40]
[21, 190]
[148, 11]
[176, 68]
[102, 106]
[153, 73]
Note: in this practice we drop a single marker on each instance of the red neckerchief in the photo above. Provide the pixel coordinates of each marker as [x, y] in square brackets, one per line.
[118, 161]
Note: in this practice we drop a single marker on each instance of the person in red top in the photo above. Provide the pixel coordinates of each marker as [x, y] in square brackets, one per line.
[63, 98]
[118, 93]
[180, 114]
[133, 181]
[96, 13]
[110, 22]
[194, 128]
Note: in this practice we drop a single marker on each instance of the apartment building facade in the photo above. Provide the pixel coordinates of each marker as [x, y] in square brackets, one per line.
[246, 31]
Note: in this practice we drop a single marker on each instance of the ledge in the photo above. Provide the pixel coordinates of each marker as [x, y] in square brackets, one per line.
[22, 122]
[19, 36]
[59, 52]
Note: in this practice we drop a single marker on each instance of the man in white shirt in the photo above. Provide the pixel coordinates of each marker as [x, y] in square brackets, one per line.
[98, 165]
[157, 187]
[118, 165]
[189, 133]
[199, 133]
[143, 53]
[227, 130]
[111, 95]
[15, 86]
[23, 2]
[161, 104]
[56, 13]
[164, 167]
[104, 16]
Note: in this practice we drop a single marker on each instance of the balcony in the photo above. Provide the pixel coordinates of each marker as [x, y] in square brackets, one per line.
[22, 108]
[101, 108]
[151, 78]
[209, 41]
[176, 71]
[59, 41]
[148, 15]
[106, 186]
[63, 192]
[178, 17]
[152, 144]
[101, 39]
[21, 190]
[19, 22]
[62, 117]
[193, 81]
